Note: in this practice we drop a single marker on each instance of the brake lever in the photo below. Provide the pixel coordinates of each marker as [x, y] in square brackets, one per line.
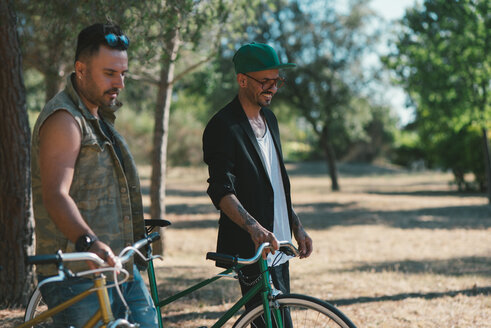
[287, 251]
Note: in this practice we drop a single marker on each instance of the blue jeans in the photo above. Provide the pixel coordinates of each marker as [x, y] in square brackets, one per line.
[135, 293]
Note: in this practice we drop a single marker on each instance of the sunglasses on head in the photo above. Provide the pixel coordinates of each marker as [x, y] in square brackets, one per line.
[114, 40]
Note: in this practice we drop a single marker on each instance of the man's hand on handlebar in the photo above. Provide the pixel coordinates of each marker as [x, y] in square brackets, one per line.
[261, 235]
[104, 252]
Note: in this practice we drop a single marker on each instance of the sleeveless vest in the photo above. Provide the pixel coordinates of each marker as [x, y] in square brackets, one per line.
[106, 192]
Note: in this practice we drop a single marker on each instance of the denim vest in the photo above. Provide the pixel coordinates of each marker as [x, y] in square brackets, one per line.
[107, 196]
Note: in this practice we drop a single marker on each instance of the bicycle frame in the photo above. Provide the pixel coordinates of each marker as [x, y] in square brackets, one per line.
[104, 313]
[263, 287]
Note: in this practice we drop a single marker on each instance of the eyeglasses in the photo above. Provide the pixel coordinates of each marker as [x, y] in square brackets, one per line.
[114, 40]
[269, 83]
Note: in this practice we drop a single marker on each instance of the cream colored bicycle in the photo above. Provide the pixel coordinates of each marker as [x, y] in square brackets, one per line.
[38, 315]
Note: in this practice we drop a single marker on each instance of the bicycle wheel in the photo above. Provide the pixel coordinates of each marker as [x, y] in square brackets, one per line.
[35, 306]
[297, 311]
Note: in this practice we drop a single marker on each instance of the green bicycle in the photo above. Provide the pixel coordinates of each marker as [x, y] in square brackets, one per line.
[276, 311]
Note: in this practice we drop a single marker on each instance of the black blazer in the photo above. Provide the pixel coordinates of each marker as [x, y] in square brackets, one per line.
[235, 166]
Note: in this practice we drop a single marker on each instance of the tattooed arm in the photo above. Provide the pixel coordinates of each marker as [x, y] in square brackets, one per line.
[303, 239]
[232, 207]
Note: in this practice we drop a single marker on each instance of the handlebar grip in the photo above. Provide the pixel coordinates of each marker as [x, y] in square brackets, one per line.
[156, 223]
[154, 236]
[44, 259]
[224, 258]
[287, 251]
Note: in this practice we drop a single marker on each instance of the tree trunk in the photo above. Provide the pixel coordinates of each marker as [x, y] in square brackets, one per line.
[331, 158]
[487, 160]
[52, 68]
[16, 222]
[52, 83]
[161, 132]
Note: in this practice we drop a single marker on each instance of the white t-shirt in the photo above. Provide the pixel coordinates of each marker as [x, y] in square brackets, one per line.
[281, 228]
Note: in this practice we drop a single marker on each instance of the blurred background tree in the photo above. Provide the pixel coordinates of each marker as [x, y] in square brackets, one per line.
[443, 61]
[328, 88]
[325, 106]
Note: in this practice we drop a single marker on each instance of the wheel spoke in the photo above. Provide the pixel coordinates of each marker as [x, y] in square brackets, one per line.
[298, 311]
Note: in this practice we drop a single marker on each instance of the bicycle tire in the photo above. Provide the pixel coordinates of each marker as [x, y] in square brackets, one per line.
[305, 311]
[35, 306]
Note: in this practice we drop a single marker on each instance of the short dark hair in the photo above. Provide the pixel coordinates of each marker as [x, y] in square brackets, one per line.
[92, 37]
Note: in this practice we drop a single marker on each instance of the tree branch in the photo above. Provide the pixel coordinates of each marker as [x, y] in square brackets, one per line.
[193, 67]
[146, 79]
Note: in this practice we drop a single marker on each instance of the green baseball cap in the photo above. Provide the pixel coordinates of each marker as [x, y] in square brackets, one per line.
[255, 57]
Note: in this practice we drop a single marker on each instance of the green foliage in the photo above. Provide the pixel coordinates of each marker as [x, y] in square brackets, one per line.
[48, 33]
[185, 134]
[48, 30]
[462, 153]
[297, 138]
[443, 60]
[216, 82]
[187, 121]
[138, 97]
[327, 87]
[408, 150]
[34, 83]
[136, 127]
[324, 88]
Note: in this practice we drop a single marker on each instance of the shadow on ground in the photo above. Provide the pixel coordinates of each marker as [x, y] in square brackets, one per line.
[425, 193]
[178, 279]
[178, 192]
[471, 265]
[321, 216]
[399, 297]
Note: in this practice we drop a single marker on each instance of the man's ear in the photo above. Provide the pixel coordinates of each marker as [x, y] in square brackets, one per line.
[241, 80]
[80, 69]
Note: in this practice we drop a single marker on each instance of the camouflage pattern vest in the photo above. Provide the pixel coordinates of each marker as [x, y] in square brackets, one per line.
[108, 196]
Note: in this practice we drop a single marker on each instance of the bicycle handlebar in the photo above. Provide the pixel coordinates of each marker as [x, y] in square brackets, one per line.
[285, 247]
[88, 256]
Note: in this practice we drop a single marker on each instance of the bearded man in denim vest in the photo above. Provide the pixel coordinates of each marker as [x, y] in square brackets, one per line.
[86, 190]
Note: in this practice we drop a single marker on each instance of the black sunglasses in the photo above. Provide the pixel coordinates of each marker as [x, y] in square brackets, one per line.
[269, 83]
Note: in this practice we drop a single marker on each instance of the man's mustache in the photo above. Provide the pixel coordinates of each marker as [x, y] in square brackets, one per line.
[113, 90]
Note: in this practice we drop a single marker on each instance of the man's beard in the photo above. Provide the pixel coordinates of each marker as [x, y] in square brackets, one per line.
[112, 101]
[94, 96]
[266, 102]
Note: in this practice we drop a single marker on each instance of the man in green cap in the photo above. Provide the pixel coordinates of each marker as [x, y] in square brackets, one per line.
[248, 182]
